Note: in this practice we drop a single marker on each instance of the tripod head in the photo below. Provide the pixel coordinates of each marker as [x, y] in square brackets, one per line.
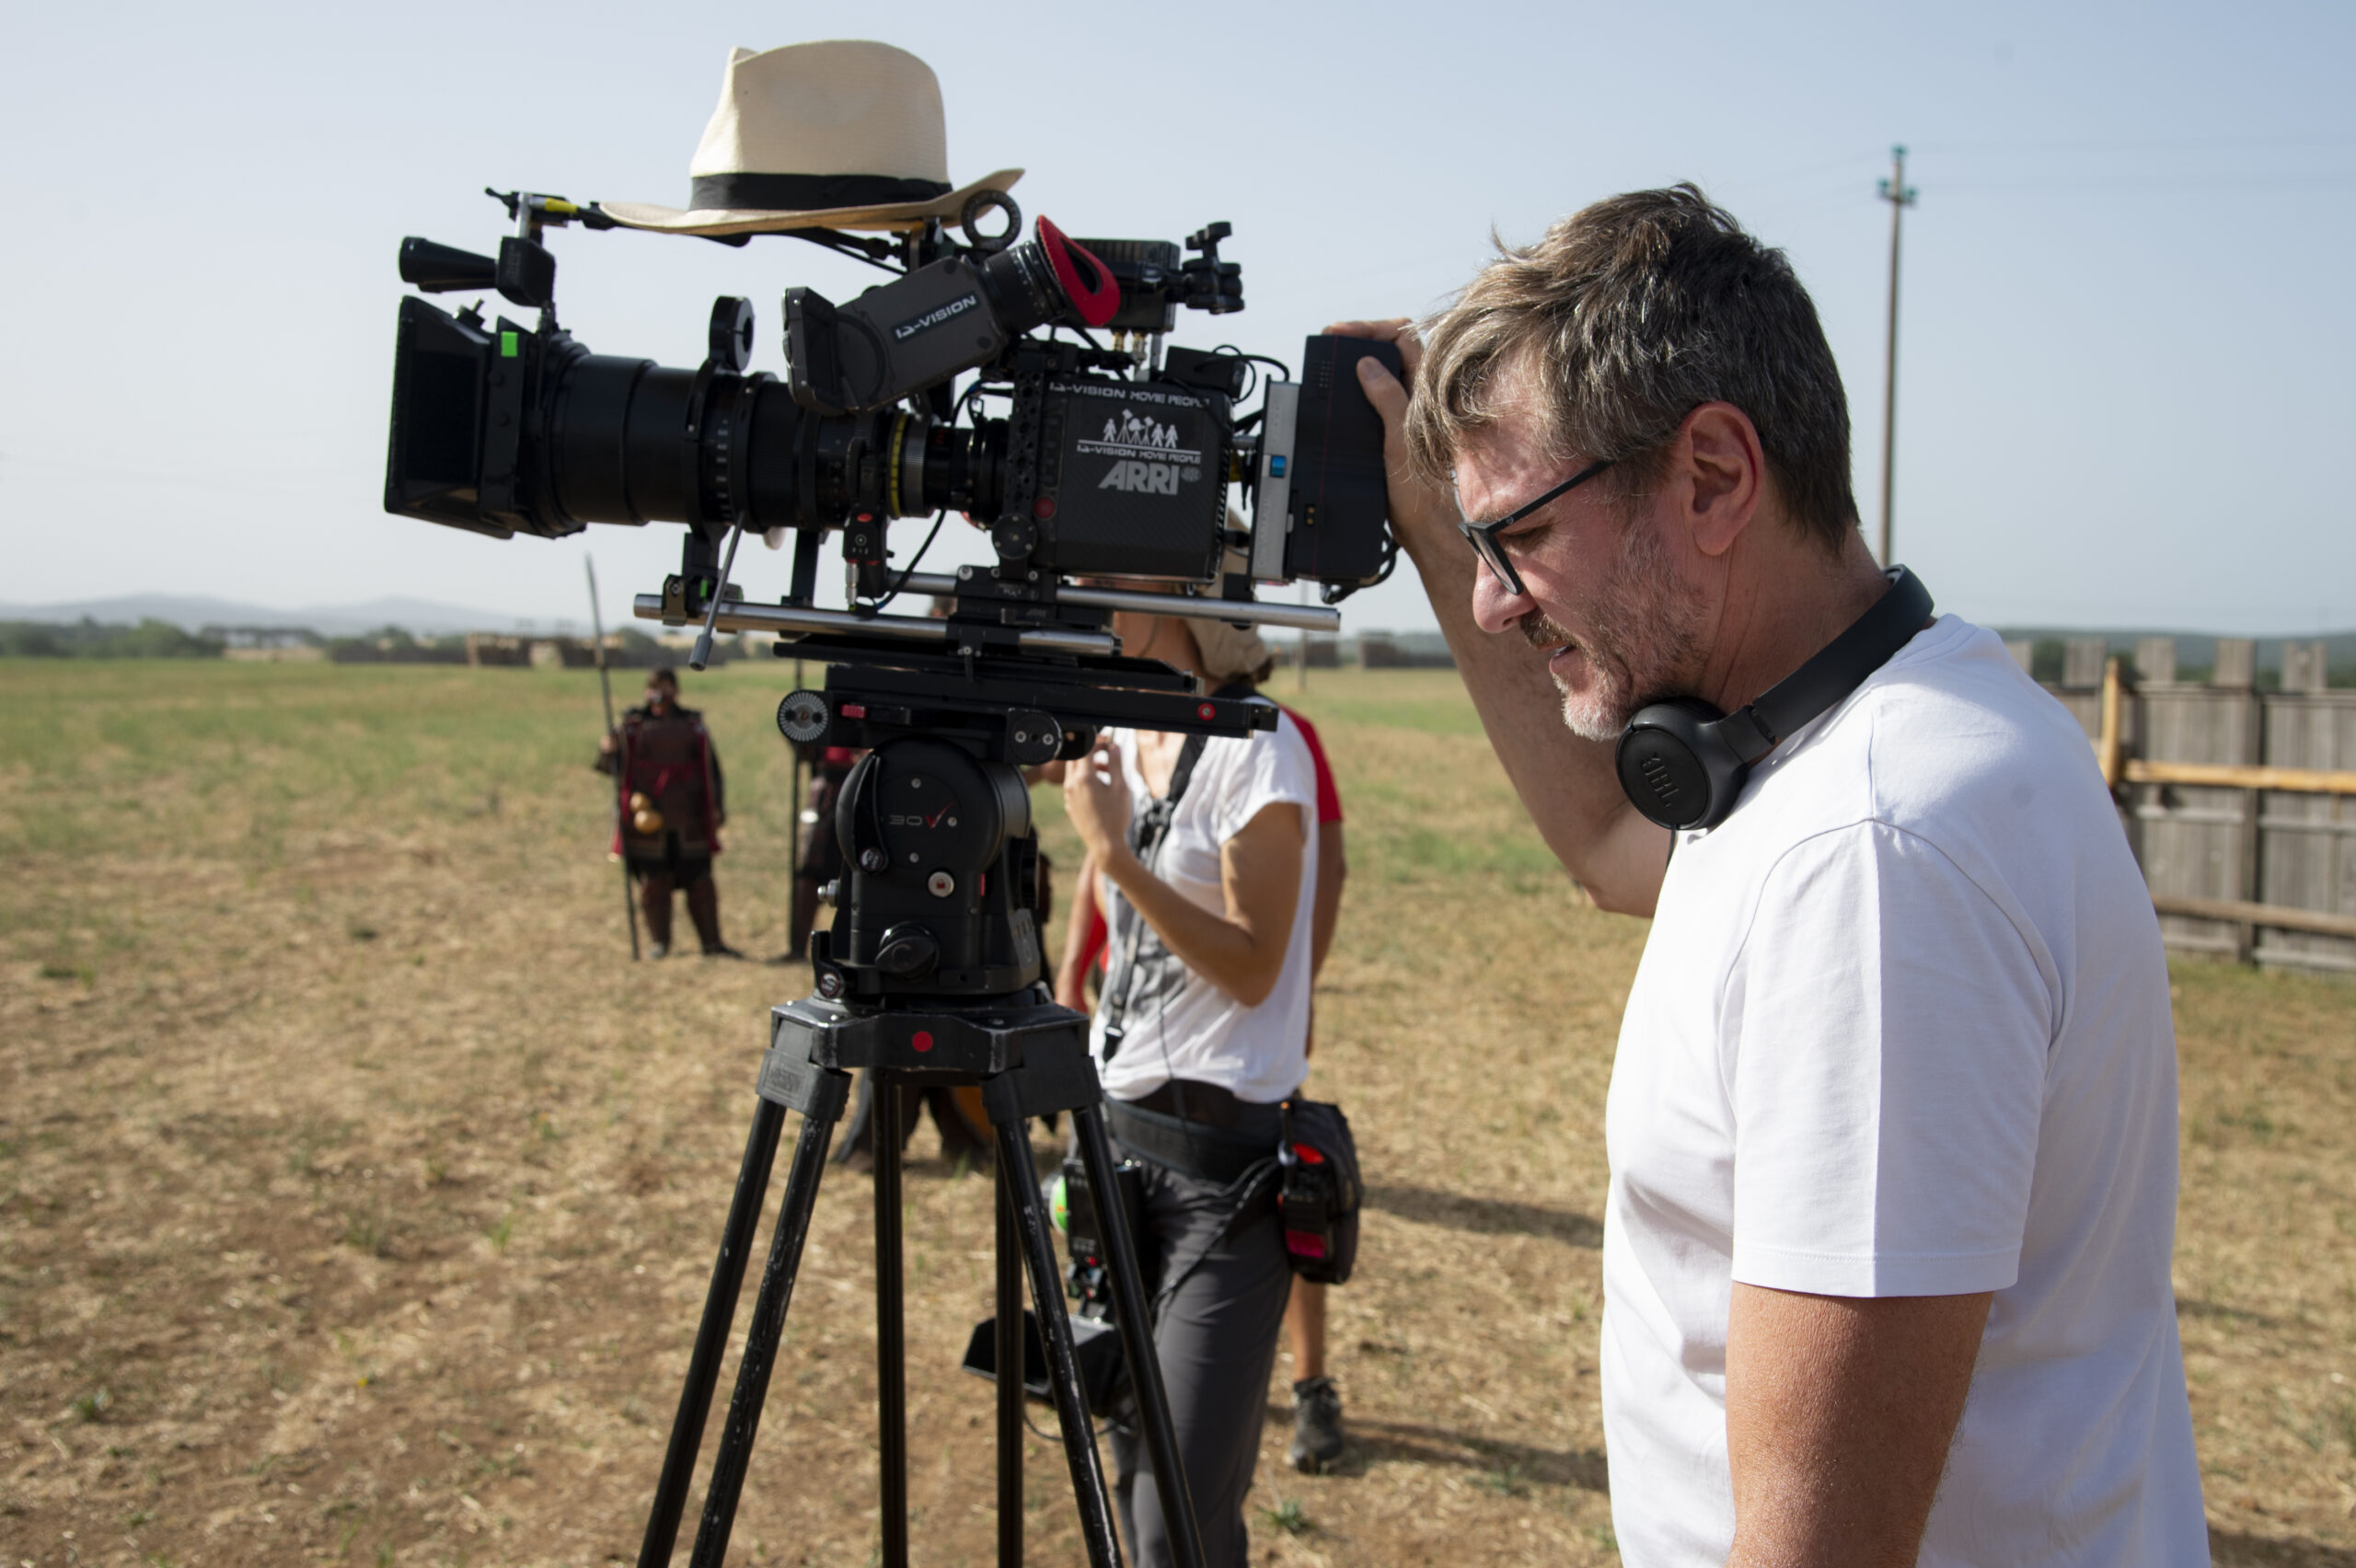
[941, 892]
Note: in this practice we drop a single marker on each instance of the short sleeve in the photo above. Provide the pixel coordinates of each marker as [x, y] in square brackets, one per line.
[1886, 1034]
[1269, 767]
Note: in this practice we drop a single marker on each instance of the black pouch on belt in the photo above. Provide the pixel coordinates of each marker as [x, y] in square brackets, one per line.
[1319, 1196]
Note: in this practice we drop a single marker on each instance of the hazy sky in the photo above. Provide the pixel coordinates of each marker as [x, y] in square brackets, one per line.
[2126, 318]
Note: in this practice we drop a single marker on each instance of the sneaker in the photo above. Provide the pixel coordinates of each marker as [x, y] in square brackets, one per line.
[658, 950]
[1316, 1425]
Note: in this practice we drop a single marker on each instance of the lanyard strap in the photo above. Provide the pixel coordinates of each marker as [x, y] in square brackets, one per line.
[1147, 832]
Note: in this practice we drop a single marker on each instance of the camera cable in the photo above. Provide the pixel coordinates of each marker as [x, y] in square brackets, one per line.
[914, 562]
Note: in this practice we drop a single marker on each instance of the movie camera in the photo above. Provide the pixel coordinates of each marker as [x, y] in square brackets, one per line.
[1112, 459]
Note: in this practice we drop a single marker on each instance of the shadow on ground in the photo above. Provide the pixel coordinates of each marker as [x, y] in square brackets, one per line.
[1504, 1468]
[2210, 1311]
[2230, 1550]
[1425, 1206]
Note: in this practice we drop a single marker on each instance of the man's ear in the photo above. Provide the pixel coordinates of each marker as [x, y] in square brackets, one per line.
[1726, 469]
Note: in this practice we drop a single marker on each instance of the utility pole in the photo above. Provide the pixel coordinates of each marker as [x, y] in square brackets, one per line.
[1900, 196]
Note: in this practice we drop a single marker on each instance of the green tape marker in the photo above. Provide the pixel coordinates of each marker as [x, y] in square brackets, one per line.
[508, 347]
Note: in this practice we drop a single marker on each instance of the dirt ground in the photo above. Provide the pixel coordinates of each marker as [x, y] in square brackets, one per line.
[357, 1195]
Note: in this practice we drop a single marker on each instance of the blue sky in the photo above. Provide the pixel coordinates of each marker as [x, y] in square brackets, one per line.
[2126, 320]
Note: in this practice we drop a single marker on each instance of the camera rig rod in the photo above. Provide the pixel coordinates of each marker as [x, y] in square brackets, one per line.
[1306, 618]
[740, 616]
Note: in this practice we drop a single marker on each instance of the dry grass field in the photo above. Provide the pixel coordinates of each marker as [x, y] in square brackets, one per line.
[357, 1195]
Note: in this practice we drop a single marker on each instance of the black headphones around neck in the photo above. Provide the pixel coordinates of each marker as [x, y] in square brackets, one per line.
[1683, 763]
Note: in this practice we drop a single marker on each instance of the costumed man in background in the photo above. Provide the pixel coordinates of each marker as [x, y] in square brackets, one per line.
[673, 801]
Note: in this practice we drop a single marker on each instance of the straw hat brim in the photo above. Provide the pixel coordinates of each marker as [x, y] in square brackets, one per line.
[722, 221]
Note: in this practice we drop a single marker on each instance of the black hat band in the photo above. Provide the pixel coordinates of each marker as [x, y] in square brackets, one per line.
[806, 193]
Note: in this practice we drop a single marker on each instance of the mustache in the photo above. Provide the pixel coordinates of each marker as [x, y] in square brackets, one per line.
[1541, 633]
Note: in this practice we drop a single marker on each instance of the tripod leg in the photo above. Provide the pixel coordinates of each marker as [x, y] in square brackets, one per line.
[1063, 1362]
[711, 1334]
[891, 1105]
[1132, 1317]
[1010, 1378]
[761, 1337]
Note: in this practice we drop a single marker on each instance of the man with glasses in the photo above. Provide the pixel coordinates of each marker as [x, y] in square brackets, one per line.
[1892, 1123]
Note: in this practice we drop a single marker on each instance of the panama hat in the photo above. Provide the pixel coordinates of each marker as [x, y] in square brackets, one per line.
[841, 135]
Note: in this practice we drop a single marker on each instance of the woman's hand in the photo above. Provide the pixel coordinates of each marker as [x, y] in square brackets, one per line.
[1096, 798]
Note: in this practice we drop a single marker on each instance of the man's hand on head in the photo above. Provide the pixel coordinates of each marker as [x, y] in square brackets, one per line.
[1424, 515]
[1569, 785]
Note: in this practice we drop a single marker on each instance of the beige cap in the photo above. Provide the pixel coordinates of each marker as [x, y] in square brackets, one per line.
[1230, 652]
[845, 134]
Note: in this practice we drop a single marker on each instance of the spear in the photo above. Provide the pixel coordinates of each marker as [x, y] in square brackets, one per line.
[606, 689]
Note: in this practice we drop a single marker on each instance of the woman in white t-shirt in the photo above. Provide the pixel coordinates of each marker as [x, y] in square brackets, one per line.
[1201, 1031]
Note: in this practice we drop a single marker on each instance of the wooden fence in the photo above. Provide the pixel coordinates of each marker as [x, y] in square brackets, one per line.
[2240, 803]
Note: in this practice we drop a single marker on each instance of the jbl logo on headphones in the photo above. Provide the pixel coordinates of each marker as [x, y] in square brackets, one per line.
[1664, 784]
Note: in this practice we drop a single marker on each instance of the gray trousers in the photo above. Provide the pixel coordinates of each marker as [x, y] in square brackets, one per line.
[1217, 1343]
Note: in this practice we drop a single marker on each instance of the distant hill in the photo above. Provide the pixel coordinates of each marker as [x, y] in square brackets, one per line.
[422, 617]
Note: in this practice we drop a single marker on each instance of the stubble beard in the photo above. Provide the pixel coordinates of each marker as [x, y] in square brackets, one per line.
[1642, 633]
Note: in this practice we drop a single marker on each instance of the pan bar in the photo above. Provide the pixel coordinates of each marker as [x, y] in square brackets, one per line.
[1306, 618]
[742, 615]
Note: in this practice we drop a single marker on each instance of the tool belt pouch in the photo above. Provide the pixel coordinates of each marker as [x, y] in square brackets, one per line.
[1318, 1194]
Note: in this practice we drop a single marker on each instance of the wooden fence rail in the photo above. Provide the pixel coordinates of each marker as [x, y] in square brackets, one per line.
[2240, 803]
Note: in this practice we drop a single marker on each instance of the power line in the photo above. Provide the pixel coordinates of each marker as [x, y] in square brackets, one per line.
[2160, 145]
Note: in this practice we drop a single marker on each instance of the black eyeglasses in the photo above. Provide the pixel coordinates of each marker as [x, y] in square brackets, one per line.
[1485, 537]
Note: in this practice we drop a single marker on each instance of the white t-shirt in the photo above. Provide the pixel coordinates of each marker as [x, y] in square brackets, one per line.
[1179, 1025]
[1902, 1028]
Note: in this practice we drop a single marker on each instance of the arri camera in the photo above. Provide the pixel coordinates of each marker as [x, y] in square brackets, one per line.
[1109, 461]
[1086, 458]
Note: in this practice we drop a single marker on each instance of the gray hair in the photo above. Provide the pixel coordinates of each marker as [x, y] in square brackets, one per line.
[1625, 317]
